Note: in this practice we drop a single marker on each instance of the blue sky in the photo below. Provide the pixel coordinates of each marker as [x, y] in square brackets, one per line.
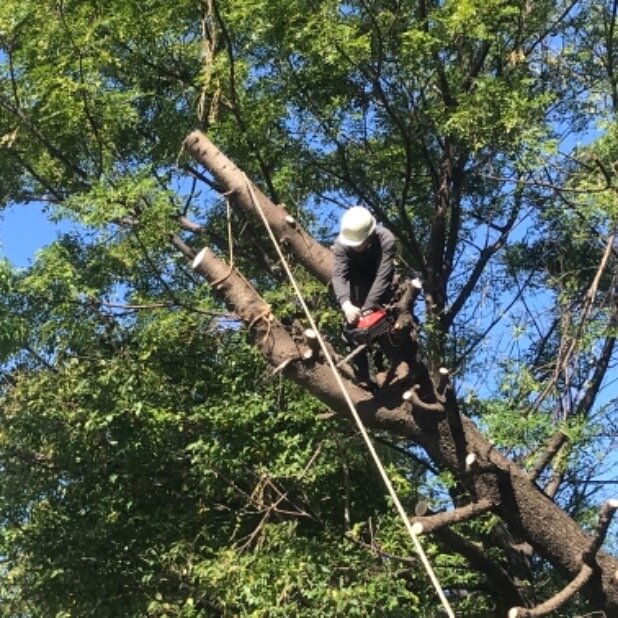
[23, 231]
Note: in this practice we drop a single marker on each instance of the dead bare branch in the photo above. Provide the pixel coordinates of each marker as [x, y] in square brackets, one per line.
[557, 600]
[604, 519]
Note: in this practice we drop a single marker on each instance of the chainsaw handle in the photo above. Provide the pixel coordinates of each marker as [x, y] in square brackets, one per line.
[366, 312]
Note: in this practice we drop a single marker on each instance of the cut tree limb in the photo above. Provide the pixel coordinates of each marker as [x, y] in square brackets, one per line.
[430, 523]
[317, 259]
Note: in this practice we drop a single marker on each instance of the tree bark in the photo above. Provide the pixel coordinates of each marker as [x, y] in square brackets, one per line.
[317, 259]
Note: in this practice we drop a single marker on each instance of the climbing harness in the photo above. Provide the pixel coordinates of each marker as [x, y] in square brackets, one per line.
[361, 427]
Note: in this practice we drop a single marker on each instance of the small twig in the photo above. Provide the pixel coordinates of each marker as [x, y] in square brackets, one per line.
[313, 345]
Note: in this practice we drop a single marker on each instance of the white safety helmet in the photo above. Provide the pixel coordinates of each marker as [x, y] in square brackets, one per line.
[357, 225]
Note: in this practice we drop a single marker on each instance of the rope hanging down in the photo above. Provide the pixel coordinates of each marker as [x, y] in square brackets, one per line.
[387, 482]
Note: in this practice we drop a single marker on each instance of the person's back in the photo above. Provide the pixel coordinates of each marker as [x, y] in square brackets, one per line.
[364, 277]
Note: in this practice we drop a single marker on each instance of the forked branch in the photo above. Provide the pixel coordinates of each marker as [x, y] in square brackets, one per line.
[587, 569]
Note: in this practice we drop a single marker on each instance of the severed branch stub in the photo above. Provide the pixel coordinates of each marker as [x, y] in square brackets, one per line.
[429, 523]
[411, 396]
[312, 343]
[313, 347]
[471, 461]
[586, 570]
[443, 380]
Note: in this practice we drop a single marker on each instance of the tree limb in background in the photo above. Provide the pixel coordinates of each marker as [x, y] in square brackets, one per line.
[585, 573]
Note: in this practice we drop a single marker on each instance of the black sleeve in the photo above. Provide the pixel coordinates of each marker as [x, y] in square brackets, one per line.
[384, 274]
[341, 274]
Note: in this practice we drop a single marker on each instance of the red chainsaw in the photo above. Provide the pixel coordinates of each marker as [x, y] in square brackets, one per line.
[371, 325]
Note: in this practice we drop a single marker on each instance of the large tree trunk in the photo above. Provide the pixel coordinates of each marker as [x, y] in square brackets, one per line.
[452, 440]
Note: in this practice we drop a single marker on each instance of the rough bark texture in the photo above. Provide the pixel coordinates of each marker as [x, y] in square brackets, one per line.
[317, 259]
[430, 419]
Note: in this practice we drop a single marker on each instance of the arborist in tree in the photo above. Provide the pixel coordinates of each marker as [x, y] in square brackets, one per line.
[363, 273]
[364, 264]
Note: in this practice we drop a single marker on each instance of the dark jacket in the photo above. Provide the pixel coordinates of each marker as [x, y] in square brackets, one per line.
[365, 277]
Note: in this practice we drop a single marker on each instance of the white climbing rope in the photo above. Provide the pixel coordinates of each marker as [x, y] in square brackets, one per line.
[361, 427]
